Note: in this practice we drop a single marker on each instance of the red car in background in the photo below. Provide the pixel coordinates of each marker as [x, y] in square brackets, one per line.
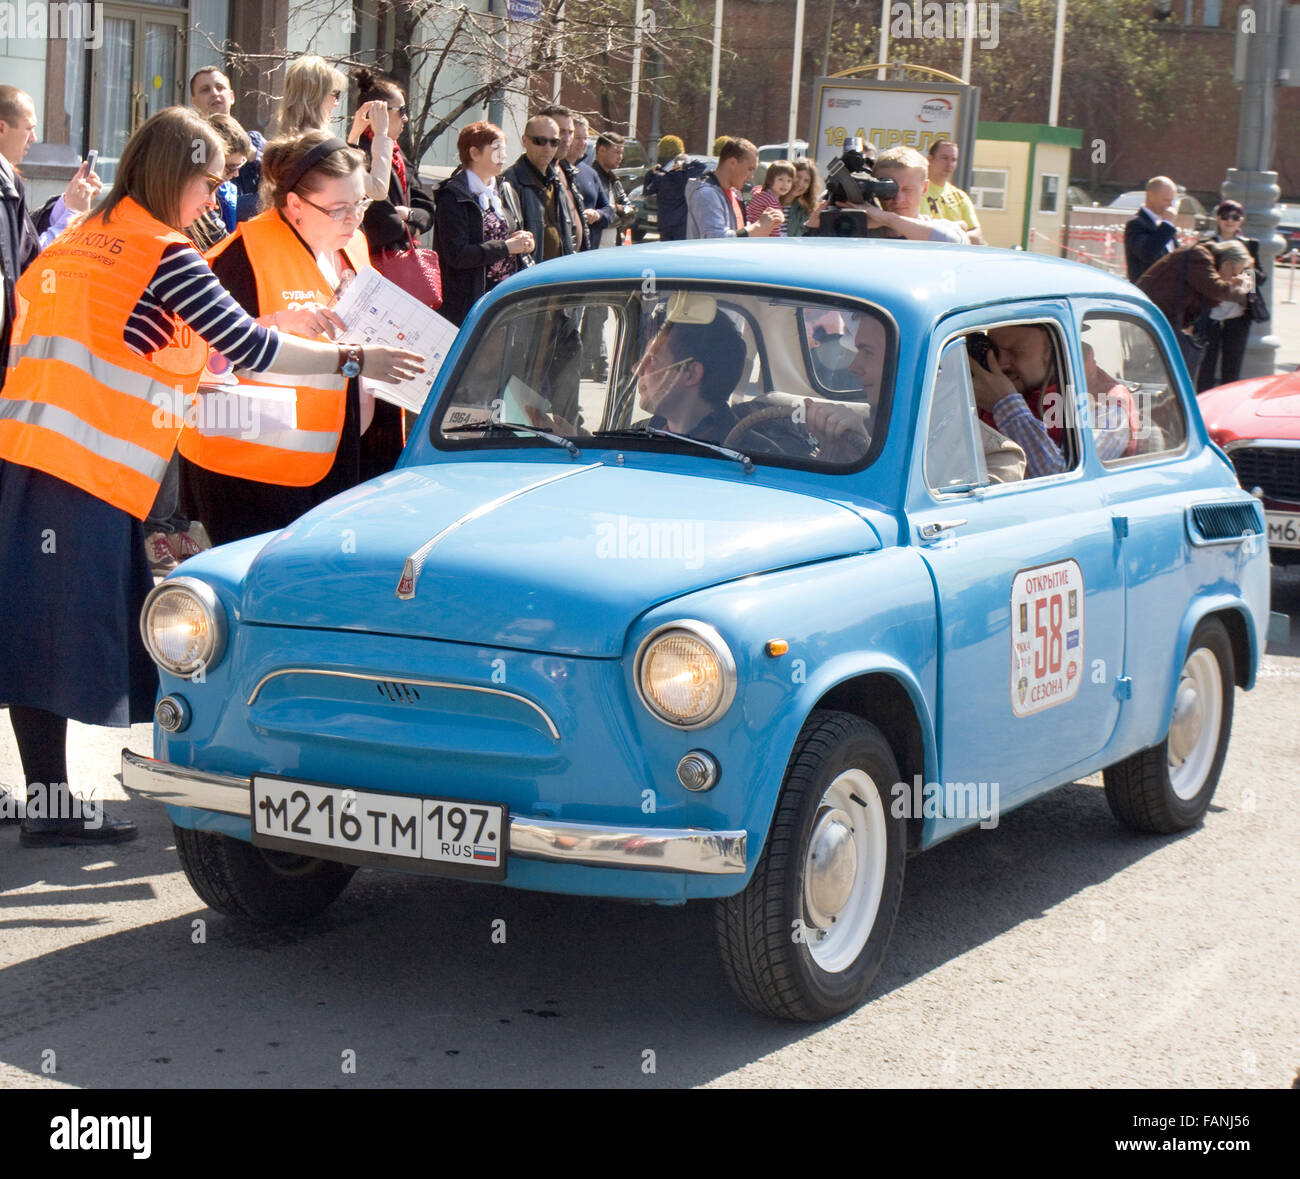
[1257, 422]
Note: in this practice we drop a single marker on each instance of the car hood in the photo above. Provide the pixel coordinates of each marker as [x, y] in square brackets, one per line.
[553, 557]
[1263, 407]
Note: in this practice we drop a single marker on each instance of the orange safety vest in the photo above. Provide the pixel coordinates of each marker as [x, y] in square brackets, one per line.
[77, 402]
[287, 276]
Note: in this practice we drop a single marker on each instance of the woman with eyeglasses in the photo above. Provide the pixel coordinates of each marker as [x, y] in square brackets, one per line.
[312, 91]
[110, 340]
[1226, 325]
[283, 267]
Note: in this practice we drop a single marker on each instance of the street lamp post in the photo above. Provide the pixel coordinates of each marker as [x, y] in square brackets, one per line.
[717, 69]
[1251, 182]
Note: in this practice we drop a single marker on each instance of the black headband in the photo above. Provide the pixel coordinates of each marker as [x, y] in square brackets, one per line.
[311, 159]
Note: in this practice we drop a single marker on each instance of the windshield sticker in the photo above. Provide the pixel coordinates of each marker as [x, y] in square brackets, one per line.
[1046, 636]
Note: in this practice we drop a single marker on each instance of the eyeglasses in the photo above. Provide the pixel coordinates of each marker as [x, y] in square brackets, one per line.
[214, 182]
[397, 110]
[542, 141]
[1232, 216]
[343, 212]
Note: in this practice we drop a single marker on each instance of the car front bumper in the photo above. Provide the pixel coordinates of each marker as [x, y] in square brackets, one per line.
[655, 849]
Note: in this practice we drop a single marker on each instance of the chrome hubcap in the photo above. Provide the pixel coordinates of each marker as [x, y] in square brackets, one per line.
[832, 867]
[1194, 731]
[844, 871]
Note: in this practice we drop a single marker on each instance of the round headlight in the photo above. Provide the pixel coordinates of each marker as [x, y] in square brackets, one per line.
[685, 674]
[183, 626]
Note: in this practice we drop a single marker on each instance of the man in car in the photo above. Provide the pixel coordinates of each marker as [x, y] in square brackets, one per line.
[1019, 394]
[843, 432]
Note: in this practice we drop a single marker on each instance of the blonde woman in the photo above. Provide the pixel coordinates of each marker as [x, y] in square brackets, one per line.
[312, 91]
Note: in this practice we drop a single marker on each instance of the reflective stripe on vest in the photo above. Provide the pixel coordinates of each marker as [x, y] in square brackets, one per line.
[117, 450]
[157, 394]
[77, 402]
[231, 440]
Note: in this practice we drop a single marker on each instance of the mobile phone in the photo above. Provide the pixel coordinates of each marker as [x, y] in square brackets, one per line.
[92, 158]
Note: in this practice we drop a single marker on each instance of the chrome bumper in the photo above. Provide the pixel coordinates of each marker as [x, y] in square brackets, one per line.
[655, 849]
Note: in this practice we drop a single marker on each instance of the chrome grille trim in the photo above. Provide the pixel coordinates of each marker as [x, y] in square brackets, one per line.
[381, 678]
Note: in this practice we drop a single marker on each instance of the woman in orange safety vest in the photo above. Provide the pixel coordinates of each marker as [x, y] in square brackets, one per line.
[110, 338]
[260, 457]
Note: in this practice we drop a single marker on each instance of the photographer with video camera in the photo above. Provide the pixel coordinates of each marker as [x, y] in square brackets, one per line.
[870, 196]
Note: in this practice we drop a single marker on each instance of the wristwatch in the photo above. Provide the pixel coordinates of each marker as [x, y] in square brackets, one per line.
[350, 358]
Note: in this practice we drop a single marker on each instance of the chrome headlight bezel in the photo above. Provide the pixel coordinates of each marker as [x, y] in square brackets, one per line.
[215, 618]
[703, 633]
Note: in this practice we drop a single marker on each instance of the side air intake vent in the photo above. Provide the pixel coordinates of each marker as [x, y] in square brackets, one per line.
[1223, 523]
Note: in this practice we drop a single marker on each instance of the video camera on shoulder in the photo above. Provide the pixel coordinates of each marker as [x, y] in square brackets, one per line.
[849, 181]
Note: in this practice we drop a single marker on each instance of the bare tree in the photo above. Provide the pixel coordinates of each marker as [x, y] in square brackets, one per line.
[452, 59]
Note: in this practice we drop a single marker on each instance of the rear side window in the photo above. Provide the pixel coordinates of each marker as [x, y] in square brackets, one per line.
[1136, 410]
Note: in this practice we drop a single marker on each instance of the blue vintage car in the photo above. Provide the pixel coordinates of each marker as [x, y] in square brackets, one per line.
[729, 571]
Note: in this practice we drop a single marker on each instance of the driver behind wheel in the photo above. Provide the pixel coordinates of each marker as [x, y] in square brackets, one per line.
[686, 379]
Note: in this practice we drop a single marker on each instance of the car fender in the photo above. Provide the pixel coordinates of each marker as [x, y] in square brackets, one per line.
[1197, 610]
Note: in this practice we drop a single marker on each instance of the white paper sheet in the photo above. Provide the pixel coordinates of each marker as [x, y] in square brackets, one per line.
[380, 312]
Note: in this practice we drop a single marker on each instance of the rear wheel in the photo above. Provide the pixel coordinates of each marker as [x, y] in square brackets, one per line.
[805, 939]
[1168, 787]
[255, 884]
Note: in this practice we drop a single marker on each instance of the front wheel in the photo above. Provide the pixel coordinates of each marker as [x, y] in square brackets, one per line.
[255, 884]
[805, 939]
[1168, 788]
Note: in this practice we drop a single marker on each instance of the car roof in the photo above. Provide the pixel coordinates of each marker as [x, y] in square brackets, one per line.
[931, 278]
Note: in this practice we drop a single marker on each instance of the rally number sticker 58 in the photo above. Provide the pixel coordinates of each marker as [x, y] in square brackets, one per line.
[1046, 636]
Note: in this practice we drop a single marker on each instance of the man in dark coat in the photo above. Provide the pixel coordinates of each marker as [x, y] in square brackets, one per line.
[668, 187]
[541, 190]
[1151, 235]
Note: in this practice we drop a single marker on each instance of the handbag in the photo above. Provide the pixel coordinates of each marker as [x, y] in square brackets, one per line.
[1256, 308]
[416, 271]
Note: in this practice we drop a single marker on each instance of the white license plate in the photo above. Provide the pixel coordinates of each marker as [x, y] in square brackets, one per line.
[441, 835]
[1283, 531]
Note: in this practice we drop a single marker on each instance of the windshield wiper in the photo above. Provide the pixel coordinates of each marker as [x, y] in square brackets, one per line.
[654, 432]
[493, 426]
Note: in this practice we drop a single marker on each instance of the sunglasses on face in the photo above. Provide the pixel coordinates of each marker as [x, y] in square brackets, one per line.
[397, 110]
[1231, 217]
[542, 141]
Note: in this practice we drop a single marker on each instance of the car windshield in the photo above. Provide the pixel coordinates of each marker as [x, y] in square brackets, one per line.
[775, 377]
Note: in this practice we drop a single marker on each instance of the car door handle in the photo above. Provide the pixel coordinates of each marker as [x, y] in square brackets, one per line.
[938, 527]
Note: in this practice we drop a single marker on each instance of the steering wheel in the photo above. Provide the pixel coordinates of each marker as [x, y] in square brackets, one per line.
[759, 417]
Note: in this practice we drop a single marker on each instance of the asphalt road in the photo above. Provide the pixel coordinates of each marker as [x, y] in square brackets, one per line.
[1055, 950]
